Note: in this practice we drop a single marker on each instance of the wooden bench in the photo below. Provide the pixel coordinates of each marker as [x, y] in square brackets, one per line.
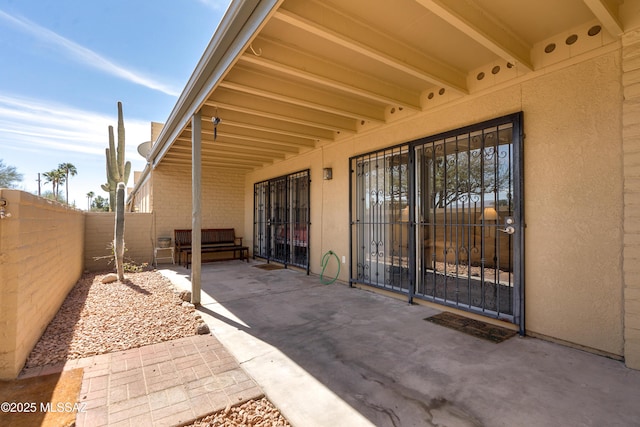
[213, 240]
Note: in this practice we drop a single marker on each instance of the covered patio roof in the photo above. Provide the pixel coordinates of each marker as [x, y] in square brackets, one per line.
[286, 76]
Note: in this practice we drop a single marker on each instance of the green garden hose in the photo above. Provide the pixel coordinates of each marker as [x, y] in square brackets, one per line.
[325, 261]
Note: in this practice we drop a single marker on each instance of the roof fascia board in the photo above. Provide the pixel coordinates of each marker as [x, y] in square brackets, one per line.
[238, 27]
[141, 180]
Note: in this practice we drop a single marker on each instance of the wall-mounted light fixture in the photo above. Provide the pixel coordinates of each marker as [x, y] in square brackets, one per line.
[327, 174]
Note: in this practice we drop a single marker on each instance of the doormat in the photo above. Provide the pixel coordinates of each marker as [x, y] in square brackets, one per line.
[269, 266]
[476, 328]
[48, 400]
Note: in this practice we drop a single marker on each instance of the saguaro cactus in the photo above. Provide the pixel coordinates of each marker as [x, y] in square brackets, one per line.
[118, 243]
[117, 169]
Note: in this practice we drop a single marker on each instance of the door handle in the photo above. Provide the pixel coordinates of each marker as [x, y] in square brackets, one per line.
[508, 229]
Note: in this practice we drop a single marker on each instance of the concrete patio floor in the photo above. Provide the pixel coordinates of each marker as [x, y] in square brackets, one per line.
[330, 355]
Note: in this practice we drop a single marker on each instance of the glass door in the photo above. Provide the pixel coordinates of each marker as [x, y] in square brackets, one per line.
[466, 217]
[441, 219]
[282, 219]
[380, 219]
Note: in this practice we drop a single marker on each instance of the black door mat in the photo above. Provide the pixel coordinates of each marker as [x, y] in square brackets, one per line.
[269, 266]
[476, 328]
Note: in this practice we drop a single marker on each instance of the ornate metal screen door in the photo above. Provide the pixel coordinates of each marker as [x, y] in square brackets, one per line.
[281, 219]
[467, 215]
[260, 219]
[441, 219]
[380, 219]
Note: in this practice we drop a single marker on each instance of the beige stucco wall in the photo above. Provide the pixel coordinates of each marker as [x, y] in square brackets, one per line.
[222, 200]
[573, 192]
[573, 168]
[99, 233]
[41, 259]
[631, 138]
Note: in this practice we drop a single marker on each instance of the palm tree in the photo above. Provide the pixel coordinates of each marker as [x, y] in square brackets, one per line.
[69, 170]
[90, 195]
[55, 177]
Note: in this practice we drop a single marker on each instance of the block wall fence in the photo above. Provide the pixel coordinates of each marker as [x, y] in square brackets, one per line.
[138, 239]
[44, 248]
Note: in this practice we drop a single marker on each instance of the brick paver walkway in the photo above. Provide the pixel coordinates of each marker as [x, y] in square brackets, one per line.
[164, 384]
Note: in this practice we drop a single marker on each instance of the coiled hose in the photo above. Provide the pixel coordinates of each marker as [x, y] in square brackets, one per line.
[324, 263]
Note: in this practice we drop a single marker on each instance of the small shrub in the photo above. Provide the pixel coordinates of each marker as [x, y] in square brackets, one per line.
[131, 267]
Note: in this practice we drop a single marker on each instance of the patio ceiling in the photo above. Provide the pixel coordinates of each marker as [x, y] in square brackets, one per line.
[296, 74]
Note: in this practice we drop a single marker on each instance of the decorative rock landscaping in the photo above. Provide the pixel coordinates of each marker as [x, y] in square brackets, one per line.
[101, 316]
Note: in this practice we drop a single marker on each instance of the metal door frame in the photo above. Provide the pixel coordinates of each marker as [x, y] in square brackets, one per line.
[517, 163]
[293, 224]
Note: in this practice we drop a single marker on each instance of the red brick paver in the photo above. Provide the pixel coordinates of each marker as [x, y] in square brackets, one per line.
[163, 384]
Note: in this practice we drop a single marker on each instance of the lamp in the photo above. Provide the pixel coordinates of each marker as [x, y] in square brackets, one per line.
[327, 174]
[489, 214]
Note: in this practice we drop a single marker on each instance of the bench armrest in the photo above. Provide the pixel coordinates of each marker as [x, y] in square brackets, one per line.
[239, 239]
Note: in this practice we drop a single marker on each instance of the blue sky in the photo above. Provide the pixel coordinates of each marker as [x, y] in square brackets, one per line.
[64, 65]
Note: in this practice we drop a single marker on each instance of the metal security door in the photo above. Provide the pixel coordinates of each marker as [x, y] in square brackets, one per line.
[260, 219]
[440, 219]
[299, 219]
[282, 219]
[468, 219]
[278, 220]
[380, 230]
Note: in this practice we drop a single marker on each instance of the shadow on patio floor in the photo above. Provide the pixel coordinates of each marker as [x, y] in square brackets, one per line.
[330, 354]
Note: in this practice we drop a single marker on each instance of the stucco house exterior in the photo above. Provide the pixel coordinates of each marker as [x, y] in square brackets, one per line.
[480, 155]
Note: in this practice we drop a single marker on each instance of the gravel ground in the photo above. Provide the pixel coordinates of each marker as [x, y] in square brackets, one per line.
[98, 318]
[255, 413]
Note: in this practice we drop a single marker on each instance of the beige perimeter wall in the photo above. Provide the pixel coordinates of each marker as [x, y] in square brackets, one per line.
[99, 234]
[44, 248]
[573, 192]
[41, 259]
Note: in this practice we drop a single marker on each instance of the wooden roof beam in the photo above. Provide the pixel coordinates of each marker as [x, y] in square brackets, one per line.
[218, 165]
[232, 159]
[322, 81]
[303, 103]
[210, 147]
[306, 139]
[487, 32]
[242, 141]
[440, 75]
[282, 117]
[606, 12]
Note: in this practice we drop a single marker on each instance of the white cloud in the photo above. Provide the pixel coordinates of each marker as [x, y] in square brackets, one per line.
[86, 56]
[39, 126]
